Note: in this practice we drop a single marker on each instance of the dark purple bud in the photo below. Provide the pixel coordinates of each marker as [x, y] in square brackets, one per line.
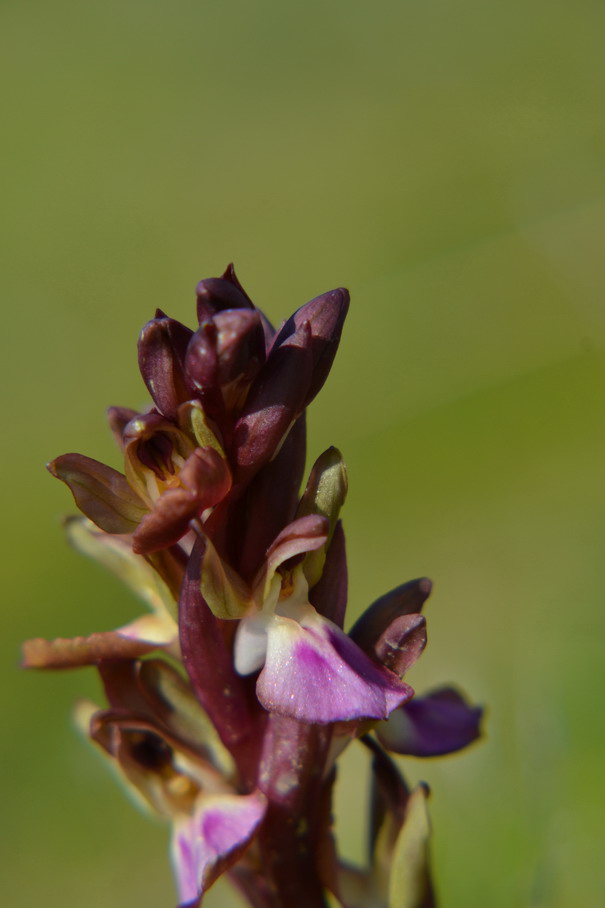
[217, 293]
[441, 722]
[118, 418]
[270, 501]
[100, 492]
[329, 595]
[201, 360]
[275, 401]
[204, 480]
[326, 315]
[268, 329]
[228, 348]
[406, 599]
[162, 347]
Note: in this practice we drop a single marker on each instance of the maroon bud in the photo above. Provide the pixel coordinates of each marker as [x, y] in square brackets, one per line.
[162, 347]
[325, 315]
[217, 293]
[275, 401]
[229, 347]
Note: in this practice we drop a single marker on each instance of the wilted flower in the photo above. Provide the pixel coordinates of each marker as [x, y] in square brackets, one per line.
[232, 734]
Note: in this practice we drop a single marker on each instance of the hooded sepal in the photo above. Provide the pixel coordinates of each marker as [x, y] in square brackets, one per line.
[203, 482]
[441, 722]
[406, 599]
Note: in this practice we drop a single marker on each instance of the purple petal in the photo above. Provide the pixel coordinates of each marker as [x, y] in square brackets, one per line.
[441, 722]
[315, 673]
[100, 492]
[205, 845]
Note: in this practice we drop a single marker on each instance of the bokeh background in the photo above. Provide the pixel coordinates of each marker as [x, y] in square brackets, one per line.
[446, 162]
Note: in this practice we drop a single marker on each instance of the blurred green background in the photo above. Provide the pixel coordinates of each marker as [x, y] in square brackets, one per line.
[446, 162]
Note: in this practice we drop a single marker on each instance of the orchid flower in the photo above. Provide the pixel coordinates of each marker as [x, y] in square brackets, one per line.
[234, 735]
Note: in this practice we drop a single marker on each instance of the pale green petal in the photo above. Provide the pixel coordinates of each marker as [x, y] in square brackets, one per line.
[324, 495]
[115, 553]
[223, 589]
[410, 885]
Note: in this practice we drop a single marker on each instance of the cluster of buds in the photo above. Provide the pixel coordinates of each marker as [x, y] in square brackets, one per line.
[231, 699]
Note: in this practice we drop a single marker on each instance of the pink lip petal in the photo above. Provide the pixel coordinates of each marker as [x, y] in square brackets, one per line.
[212, 840]
[314, 673]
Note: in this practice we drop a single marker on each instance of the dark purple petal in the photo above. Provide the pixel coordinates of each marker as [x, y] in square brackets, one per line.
[100, 492]
[208, 662]
[205, 845]
[204, 481]
[441, 722]
[270, 502]
[162, 347]
[275, 400]
[326, 315]
[404, 600]
[329, 595]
